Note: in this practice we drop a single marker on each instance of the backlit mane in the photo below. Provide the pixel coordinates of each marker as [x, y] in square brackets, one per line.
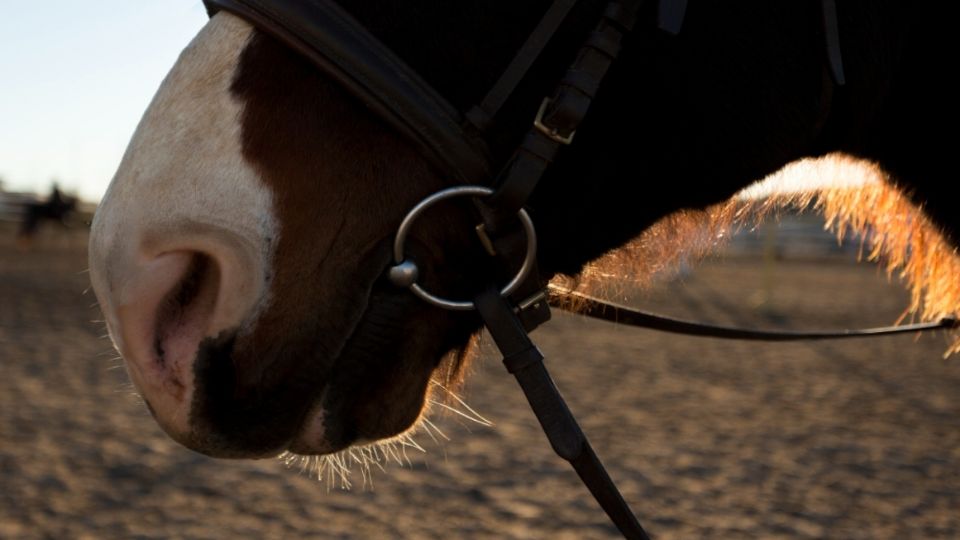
[854, 197]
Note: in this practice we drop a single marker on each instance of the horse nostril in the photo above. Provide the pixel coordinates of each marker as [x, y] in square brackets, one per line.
[161, 308]
[184, 315]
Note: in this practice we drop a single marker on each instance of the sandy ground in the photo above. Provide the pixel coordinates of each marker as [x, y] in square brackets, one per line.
[707, 439]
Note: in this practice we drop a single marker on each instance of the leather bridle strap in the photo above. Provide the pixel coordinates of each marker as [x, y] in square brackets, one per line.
[482, 114]
[560, 115]
[522, 358]
[589, 306]
[556, 122]
[334, 41]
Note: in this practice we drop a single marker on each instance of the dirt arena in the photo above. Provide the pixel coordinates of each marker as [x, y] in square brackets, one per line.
[707, 439]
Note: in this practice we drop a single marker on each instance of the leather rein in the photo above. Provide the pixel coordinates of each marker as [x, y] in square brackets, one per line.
[453, 141]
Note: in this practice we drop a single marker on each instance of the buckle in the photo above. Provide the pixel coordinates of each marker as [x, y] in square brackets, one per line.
[550, 132]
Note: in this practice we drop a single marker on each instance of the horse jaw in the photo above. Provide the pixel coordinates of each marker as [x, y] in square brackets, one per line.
[183, 198]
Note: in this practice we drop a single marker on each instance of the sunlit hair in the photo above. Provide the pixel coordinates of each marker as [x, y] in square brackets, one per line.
[855, 198]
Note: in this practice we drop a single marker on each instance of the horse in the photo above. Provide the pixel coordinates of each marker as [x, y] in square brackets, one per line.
[240, 254]
[56, 208]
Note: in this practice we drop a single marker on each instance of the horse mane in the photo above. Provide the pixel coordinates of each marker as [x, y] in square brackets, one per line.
[854, 196]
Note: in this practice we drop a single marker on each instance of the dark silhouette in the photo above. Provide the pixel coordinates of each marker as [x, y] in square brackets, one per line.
[56, 208]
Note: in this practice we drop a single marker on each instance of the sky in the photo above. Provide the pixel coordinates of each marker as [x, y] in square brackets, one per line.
[75, 78]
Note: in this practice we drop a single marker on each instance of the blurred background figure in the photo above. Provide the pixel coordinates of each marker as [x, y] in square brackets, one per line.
[56, 208]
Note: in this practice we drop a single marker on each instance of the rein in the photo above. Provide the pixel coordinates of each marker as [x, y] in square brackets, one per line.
[596, 308]
[453, 141]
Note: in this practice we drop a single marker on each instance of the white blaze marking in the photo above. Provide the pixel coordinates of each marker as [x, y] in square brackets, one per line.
[183, 173]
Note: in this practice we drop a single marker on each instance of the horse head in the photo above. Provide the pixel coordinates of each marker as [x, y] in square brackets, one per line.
[239, 254]
[238, 257]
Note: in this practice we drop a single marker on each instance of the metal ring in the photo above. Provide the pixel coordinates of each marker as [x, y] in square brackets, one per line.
[409, 270]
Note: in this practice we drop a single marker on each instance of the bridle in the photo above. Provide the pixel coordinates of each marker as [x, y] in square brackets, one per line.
[453, 141]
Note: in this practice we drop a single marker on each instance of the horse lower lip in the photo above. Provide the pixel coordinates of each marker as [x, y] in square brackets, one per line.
[314, 436]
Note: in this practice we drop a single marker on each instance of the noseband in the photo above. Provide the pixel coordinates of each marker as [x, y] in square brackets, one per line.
[453, 141]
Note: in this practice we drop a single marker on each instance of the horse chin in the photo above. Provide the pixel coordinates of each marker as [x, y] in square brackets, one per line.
[380, 383]
[326, 432]
[333, 428]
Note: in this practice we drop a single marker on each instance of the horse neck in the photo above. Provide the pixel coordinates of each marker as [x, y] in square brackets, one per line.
[685, 122]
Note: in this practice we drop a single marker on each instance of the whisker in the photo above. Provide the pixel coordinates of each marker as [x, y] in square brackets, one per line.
[428, 425]
[336, 470]
[429, 432]
[406, 458]
[391, 449]
[478, 419]
[375, 457]
[408, 441]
